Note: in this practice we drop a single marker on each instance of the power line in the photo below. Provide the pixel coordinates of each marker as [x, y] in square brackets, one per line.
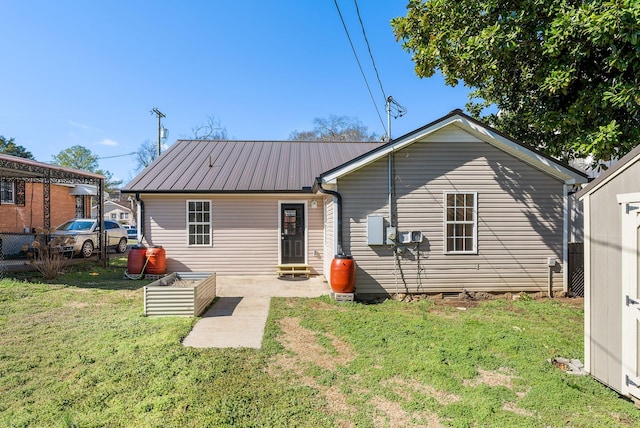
[353, 49]
[119, 156]
[384, 94]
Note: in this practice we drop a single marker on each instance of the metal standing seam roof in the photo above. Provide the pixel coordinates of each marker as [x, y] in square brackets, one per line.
[194, 166]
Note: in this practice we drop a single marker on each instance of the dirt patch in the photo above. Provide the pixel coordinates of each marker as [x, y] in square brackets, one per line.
[391, 414]
[512, 407]
[501, 377]
[304, 349]
[304, 344]
[470, 299]
[399, 386]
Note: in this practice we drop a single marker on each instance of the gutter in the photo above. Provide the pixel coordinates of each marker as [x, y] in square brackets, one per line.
[318, 186]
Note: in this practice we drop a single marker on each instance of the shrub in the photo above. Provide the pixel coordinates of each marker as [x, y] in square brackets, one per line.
[46, 253]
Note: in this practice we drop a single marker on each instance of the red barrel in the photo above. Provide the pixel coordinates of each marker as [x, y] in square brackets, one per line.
[343, 274]
[157, 264]
[136, 259]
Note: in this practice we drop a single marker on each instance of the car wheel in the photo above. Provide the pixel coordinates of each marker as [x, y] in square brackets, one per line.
[122, 245]
[87, 249]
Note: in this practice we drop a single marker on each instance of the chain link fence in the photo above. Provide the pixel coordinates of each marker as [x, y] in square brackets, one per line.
[11, 250]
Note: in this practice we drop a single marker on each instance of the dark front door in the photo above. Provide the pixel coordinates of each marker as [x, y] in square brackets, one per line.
[292, 229]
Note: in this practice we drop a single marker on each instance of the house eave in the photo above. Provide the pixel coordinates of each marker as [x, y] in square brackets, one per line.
[536, 159]
[306, 191]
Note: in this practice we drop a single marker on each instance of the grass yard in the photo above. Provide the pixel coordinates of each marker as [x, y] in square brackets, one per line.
[78, 352]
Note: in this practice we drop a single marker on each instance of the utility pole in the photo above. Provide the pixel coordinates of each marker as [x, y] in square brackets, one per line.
[160, 116]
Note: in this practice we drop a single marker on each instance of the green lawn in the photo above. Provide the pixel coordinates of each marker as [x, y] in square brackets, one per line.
[79, 352]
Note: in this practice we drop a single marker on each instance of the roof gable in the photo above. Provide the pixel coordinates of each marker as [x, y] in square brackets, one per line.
[474, 128]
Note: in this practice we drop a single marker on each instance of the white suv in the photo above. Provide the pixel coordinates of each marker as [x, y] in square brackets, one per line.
[84, 232]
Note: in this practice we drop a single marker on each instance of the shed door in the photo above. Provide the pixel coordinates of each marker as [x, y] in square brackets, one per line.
[631, 299]
[292, 233]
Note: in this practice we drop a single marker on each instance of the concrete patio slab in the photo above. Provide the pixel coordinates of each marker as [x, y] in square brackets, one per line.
[238, 318]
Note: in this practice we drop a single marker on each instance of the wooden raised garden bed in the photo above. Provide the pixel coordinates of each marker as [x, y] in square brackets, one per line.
[180, 293]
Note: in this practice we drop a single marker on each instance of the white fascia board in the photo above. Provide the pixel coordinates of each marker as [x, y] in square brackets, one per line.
[521, 152]
[534, 159]
[400, 144]
[612, 176]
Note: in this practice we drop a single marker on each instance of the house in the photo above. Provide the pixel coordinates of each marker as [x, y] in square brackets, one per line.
[115, 211]
[612, 296]
[453, 205]
[38, 195]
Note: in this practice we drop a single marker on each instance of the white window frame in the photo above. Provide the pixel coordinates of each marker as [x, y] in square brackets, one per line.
[447, 222]
[209, 223]
[12, 189]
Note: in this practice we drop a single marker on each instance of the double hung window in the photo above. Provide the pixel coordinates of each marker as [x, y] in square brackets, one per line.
[7, 192]
[199, 222]
[461, 223]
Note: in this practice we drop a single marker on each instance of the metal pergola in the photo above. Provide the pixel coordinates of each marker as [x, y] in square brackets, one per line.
[14, 168]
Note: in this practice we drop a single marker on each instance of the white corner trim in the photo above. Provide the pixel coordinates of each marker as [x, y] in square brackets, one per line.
[587, 284]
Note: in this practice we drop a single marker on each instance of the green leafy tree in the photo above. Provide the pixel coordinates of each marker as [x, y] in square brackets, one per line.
[335, 128]
[81, 158]
[564, 75]
[77, 157]
[9, 147]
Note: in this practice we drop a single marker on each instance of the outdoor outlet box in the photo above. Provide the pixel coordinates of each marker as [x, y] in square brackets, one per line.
[551, 261]
[404, 237]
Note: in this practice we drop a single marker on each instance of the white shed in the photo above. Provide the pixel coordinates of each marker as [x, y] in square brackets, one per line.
[612, 285]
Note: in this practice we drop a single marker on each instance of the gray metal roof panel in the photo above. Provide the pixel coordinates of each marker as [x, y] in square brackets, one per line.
[244, 166]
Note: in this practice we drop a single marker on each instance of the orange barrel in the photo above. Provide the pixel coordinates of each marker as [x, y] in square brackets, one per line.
[343, 274]
[157, 264]
[136, 259]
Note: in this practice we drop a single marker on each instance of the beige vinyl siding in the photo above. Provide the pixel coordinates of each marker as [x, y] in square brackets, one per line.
[245, 233]
[605, 303]
[519, 219]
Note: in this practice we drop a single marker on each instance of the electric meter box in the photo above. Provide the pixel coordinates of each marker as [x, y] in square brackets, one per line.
[375, 230]
[391, 235]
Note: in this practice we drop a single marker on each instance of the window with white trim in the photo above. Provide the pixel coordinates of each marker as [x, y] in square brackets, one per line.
[460, 223]
[199, 222]
[7, 192]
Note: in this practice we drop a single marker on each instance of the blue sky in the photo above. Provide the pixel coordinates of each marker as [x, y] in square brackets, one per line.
[88, 73]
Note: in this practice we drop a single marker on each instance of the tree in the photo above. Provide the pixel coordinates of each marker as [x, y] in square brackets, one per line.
[335, 128]
[212, 130]
[9, 147]
[77, 157]
[147, 153]
[81, 158]
[563, 75]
